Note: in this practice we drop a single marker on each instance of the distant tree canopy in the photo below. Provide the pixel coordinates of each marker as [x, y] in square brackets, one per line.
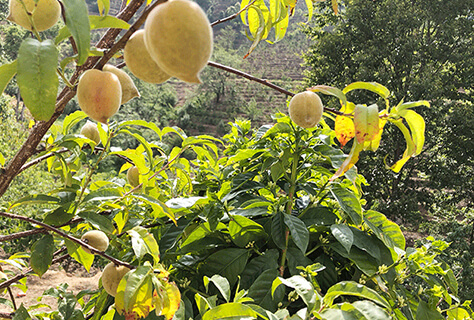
[419, 49]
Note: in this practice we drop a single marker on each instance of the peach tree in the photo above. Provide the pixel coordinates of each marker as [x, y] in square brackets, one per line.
[264, 222]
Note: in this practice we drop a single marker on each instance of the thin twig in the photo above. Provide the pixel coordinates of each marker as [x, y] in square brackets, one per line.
[27, 271]
[265, 83]
[65, 235]
[10, 293]
[235, 15]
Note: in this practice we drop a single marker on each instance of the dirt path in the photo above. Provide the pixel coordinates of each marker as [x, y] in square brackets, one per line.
[77, 278]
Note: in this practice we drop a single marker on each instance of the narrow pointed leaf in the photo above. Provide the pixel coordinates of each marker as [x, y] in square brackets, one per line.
[409, 151]
[7, 71]
[77, 21]
[352, 288]
[37, 78]
[348, 202]
[371, 86]
[299, 232]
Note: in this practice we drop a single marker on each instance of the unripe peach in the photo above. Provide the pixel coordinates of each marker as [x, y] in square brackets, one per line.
[306, 109]
[133, 176]
[111, 277]
[129, 90]
[96, 239]
[89, 130]
[139, 61]
[44, 13]
[178, 37]
[99, 94]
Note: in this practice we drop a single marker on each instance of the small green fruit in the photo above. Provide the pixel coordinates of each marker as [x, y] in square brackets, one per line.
[133, 176]
[89, 130]
[96, 239]
[306, 109]
[111, 277]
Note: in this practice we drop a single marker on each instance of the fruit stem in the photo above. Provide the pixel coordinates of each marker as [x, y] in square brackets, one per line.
[66, 81]
[291, 195]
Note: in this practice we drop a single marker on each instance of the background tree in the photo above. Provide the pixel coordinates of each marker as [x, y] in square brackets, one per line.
[419, 48]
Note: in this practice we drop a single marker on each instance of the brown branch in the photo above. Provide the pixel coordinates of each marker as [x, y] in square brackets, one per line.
[65, 235]
[265, 83]
[10, 293]
[235, 15]
[121, 43]
[250, 77]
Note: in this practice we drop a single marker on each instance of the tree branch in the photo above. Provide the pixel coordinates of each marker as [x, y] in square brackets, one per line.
[235, 15]
[25, 273]
[265, 83]
[65, 235]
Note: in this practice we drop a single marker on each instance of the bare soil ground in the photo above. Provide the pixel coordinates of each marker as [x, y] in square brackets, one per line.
[70, 272]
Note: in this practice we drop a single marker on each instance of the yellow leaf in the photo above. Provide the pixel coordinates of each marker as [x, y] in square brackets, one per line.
[350, 161]
[374, 144]
[345, 130]
[366, 122]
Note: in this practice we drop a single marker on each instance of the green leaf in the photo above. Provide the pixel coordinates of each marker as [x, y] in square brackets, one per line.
[58, 217]
[298, 231]
[37, 78]
[21, 314]
[371, 86]
[305, 290]
[77, 21]
[221, 283]
[7, 71]
[279, 127]
[243, 230]
[159, 208]
[103, 195]
[36, 199]
[371, 311]
[352, 288]
[458, 314]
[143, 242]
[42, 254]
[230, 311]
[256, 266]
[98, 221]
[71, 120]
[348, 202]
[261, 291]
[227, 262]
[344, 235]
[386, 230]
[278, 230]
[295, 259]
[424, 312]
[77, 253]
[338, 314]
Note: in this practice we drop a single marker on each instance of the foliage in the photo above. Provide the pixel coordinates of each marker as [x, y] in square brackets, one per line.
[264, 223]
